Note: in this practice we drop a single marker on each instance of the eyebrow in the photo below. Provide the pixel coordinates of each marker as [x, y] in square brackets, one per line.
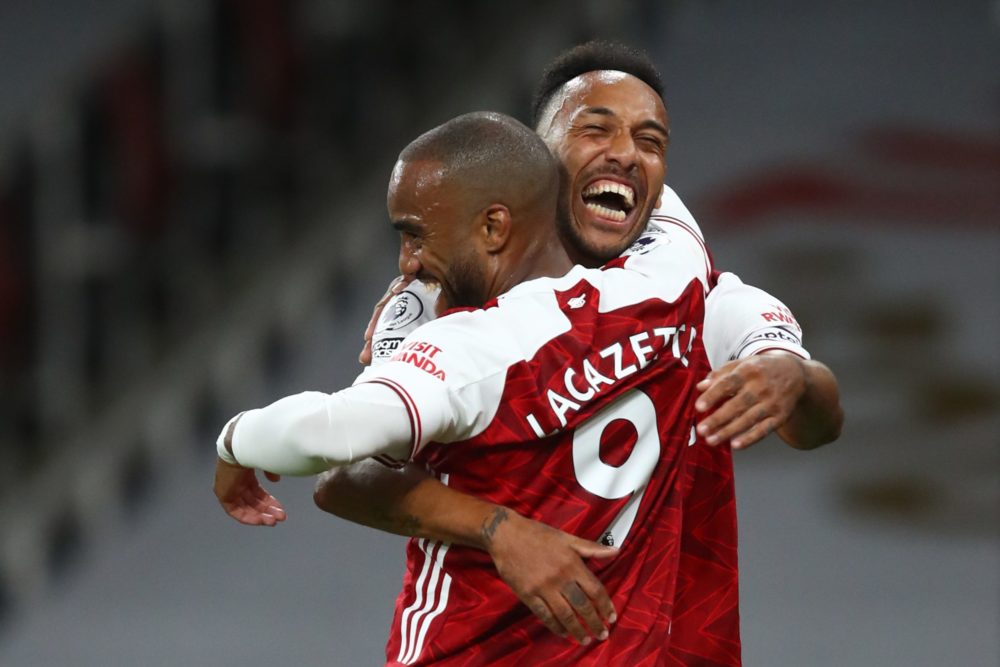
[406, 226]
[644, 125]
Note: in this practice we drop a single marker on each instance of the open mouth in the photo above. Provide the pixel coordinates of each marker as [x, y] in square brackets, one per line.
[609, 199]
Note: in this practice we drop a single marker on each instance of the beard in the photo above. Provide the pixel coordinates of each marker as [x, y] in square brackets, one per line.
[585, 251]
[466, 282]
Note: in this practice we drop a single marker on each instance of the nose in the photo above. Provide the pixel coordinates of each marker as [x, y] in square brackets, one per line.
[622, 150]
[409, 264]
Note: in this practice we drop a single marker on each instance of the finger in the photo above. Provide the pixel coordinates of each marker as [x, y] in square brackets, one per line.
[263, 506]
[277, 511]
[365, 358]
[743, 403]
[272, 476]
[588, 549]
[273, 508]
[598, 596]
[584, 608]
[740, 424]
[707, 382]
[719, 389]
[380, 304]
[725, 413]
[400, 284]
[265, 503]
[254, 517]
[755, 434]
[244, 514]
[545, 615]
[395, 287]
[370, 329]
[567, 617]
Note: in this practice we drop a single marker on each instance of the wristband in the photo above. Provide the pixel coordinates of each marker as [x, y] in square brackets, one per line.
[224, 444]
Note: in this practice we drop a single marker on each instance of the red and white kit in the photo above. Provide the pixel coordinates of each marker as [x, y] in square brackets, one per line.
[549, 402]
[742, 321]
[569, 400]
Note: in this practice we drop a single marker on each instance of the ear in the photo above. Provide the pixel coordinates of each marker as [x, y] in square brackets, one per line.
[495, 227]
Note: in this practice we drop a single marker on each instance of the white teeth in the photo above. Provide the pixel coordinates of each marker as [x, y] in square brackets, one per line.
[604, 212]
[610, 186]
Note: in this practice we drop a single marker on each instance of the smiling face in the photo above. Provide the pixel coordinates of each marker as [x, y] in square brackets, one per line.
[437, 243]
[610, 132]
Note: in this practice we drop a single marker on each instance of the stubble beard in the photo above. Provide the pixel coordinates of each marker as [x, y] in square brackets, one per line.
[468, 283]
[585, 252]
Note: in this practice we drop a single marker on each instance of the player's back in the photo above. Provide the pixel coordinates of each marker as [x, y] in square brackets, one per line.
[583, 391]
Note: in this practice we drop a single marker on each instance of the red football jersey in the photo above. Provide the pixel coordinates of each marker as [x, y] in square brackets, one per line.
[740, 321]
[706, 627]
[570, 401]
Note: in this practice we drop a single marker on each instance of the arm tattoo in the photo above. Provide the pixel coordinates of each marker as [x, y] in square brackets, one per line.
[491, 524]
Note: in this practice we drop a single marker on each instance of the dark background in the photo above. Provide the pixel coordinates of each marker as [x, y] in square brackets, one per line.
[192, 223]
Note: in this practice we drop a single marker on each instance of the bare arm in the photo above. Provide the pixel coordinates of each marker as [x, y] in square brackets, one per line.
[543, 566]
[817, 418]
[406, 501]
[774, 391]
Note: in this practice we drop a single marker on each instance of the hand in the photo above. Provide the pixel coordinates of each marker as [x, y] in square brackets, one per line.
[395, 287]
[544, 567]
[752, 397]
[242, 496]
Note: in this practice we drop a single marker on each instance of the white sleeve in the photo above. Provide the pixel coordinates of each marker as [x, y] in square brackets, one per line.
[311, 432]
[403, 314]
[449, 374]
[741, 321]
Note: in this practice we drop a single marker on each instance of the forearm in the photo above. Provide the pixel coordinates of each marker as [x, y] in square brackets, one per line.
[311, 432]
[817, 417]
[407, 502]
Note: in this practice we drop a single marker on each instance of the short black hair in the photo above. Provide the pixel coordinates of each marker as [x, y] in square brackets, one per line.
[491, 154]
[593, 56]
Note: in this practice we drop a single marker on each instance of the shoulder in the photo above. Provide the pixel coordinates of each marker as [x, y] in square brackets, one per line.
[465, 347]
[672, 214]
[671, 247]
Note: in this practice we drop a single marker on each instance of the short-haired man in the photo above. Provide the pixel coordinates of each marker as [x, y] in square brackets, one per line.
[599, 108]
[512, 401]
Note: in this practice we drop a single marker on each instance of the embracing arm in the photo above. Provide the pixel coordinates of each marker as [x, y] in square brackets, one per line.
[301, 435]
[405, 501]
[772, 391]
[769, 384]
[542, 565]
[311, 432]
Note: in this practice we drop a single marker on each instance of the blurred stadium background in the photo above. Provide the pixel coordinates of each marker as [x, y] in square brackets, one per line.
[191, 222]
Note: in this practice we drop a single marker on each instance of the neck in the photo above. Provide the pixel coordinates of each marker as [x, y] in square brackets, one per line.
[544, 257]
[577, 257]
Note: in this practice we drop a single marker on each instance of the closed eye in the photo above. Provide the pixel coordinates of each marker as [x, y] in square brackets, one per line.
[591, 129]
[654, 143]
